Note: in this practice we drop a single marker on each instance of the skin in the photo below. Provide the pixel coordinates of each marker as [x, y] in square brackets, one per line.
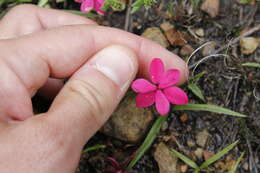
[39, 47]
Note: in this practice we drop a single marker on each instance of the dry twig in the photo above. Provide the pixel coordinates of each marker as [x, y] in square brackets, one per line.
[128, 15]
[249, 32]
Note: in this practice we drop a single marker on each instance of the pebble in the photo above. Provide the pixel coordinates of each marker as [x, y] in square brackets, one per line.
[184, 117]
[167, 162]
[184, 168]
[202, 138]
[186, 50]
[207, 154]
[190, 143]
[199, 32]
[176, 38]
[209, 48]
[198, 152]
[128, 123]
[211, 7]
[155, 34]
[248, 45]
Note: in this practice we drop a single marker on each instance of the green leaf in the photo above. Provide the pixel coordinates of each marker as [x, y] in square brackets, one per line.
[210, 108]
[197, 77]
[116, 5]
[148, 140]
[197, 170]
[251, 64]
[137, 5]
[235, 166]
[23, 1]
[196, 90]
[95, 147]
[245, 1]
[2, 2]
[218, 155]
[185, 159]
[42, 3]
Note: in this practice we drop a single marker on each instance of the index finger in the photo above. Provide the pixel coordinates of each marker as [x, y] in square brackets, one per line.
[71, 46]
[26, 19]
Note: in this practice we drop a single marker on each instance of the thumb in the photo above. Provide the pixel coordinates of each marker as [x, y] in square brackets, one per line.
[93, 92]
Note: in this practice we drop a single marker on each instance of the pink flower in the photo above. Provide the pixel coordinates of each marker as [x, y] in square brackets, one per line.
[88, 5]
[161, 91]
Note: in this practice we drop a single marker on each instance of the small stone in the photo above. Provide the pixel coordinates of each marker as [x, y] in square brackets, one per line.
[164, 126]
[248, 45]
[184, 168]
[155, 34]
[190, 143]
[220, 165]
[199, 32]
[176, 38]
[198, 152]
[207, 155]
[167, 26]
[245, 166]
[167, 161]
[184, 118]
[128, 123]
[208, 49]
[202, 138]
[186, 50]
[211, 7]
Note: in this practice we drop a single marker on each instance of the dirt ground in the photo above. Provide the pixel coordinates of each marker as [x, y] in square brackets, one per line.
[225, 83]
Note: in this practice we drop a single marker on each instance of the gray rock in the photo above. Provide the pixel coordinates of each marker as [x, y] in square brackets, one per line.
[128, 123]
[198, 152]
[168, 163]
[202, 138]
[209, 49]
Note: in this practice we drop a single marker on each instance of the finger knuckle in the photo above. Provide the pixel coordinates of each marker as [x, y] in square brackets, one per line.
[22, 8]
[93, 98]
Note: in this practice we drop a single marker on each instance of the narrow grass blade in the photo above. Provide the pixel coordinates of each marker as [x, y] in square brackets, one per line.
[205, 107]
[89, 15]
[185, 159]
[196, 90]
[197, 170]
[235, 166]
[218, 155]
[95, 147]
[148, 140]
[251, 64]
[197, 77]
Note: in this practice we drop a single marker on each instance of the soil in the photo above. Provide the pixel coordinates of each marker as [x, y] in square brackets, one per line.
[225, 83]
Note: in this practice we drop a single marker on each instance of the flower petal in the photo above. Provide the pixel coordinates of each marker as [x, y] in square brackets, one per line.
[79, 1]
[101, 1]
[161, 103]
[87, 5]
[176, 95]
[156, 70]
[98, 5]
[142, 86]
[145, 99]
[169, 78]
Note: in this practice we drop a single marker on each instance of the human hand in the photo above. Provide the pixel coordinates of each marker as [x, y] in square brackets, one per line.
[101, 62]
